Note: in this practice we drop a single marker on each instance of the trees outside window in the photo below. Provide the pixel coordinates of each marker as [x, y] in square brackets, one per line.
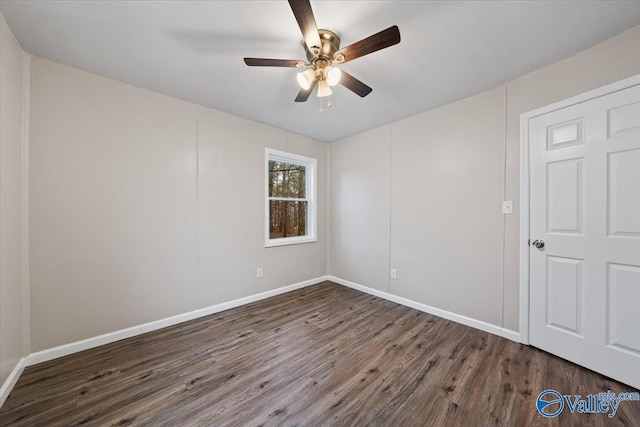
[290, 209]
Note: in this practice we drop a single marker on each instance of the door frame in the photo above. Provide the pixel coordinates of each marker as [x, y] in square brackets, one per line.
[524, 185]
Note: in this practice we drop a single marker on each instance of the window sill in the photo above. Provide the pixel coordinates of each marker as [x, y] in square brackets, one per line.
[289, 241]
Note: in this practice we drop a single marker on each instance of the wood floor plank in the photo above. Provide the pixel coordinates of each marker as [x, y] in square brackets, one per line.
[322, 355]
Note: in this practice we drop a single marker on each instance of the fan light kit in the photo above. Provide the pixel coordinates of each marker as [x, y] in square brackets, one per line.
[324, 53]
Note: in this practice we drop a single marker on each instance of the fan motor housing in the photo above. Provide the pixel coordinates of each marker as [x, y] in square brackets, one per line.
[330, 45]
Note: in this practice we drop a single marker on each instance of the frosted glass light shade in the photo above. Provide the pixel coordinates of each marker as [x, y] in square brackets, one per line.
[323, 89]
[306, 78]
[333, 76]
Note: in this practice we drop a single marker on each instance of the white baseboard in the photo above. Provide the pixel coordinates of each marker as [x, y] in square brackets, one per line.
[12, 379]
[511, 335]
[74, 347]
[468, 321]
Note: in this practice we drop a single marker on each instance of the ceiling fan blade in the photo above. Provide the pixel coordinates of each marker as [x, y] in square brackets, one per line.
[378, 41]
[307, 23]
[354, 85]
[303, 95]
[264, 62]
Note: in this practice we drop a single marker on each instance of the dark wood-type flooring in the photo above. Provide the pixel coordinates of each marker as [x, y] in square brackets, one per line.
[322, 355]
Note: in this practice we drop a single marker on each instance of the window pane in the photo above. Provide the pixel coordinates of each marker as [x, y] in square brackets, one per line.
[286, 180]
[287, 219]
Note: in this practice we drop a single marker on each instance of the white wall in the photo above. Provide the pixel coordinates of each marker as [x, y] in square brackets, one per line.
[144, 206]
[448, 170]
[231, 211]
[446, 194]
[359, 189]
[12, 293]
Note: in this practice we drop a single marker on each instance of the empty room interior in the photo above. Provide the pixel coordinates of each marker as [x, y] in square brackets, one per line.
[316, 213]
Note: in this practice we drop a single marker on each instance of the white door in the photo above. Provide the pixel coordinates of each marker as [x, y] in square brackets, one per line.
[585, 207]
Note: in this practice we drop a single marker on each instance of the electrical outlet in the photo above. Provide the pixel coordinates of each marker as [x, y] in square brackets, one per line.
[394, 273]
[259, 272]
[507, 207]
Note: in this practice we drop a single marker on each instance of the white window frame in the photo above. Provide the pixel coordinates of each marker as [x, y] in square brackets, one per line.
[310, 192]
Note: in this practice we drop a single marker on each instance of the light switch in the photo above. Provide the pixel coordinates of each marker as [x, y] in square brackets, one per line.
[507, 207]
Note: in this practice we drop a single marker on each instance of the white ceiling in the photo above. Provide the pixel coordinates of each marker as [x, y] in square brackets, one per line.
[193, 50]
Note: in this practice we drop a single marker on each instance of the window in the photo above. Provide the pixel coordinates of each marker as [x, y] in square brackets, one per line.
[290, 208]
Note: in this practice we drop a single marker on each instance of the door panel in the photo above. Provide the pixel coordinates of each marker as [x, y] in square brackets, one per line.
[624, 193]
[624, 317]
[564, 290]
[585, 206]
[564, 134]
[564, 197]
[624, 119]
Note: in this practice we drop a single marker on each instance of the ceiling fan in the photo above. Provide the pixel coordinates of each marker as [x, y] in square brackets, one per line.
[323, 53]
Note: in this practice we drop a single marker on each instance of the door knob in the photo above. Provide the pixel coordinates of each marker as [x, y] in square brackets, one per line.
[538, 244]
